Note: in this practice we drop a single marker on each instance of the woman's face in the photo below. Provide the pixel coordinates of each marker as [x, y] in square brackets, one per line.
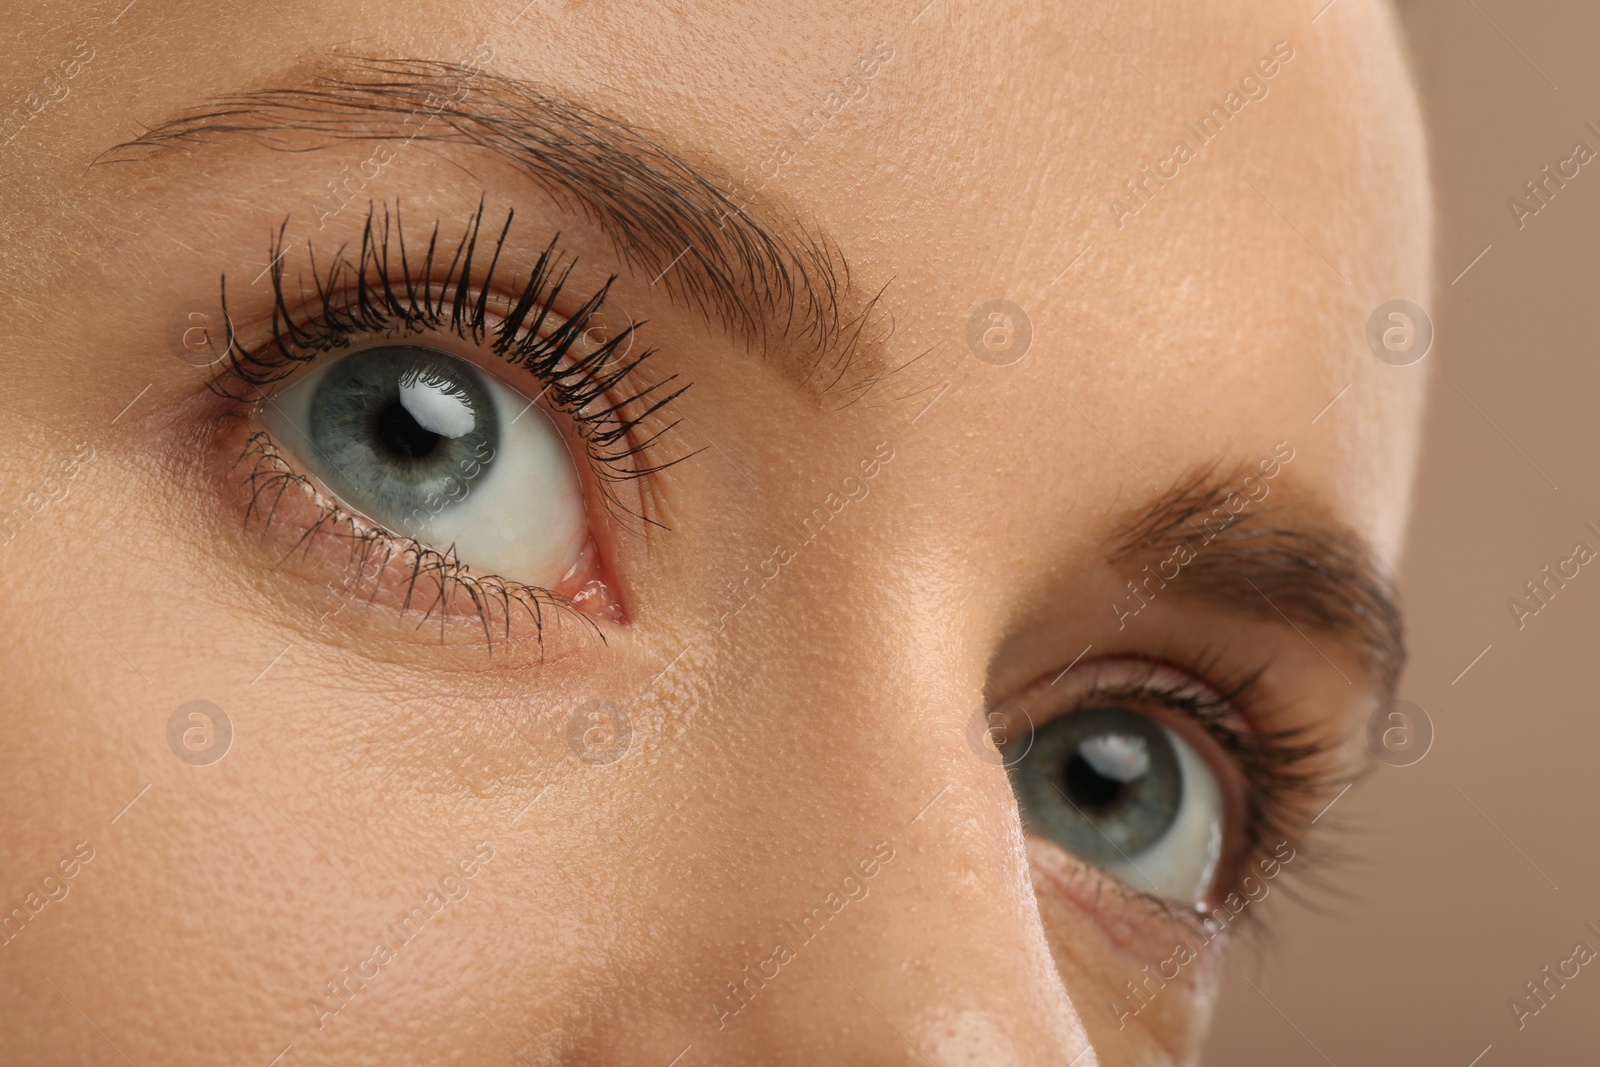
[880, 559]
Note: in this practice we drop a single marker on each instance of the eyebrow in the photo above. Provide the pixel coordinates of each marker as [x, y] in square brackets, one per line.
[760, 279]
[1319, 576]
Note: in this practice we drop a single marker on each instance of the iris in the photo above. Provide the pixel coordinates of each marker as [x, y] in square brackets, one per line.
[1123, 792]
[401, 428]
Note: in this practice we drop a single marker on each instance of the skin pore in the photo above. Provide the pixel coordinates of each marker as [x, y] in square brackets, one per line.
[805, 579]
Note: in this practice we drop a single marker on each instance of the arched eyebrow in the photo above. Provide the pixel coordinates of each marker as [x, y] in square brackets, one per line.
[1256, 561]
[763, 279]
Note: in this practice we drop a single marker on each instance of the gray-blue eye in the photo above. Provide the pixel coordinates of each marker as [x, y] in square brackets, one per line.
[1122, 791]
[427, 445]
[398, 424]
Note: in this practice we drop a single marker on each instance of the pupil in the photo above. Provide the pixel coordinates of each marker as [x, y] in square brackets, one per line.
[403, 435]
[1091, 789]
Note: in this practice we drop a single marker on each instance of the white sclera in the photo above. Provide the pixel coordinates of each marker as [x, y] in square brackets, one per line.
[522, 517]
[1183, 863]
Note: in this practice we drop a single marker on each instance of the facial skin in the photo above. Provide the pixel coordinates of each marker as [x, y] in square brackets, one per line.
[787, 731]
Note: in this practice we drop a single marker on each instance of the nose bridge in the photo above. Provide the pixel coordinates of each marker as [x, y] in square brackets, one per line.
[881, 910]
[910, 930]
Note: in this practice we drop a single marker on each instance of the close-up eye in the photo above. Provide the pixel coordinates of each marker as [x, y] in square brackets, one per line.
[425, 444]
[1122, 791]
[1170, 780]
[454, 436]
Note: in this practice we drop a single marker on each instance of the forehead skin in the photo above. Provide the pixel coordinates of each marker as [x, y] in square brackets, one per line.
[980, 164]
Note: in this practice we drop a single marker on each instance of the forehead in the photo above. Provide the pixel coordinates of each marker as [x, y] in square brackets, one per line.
[1195, 208]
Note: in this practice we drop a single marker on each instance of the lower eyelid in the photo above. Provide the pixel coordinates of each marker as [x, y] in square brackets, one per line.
[302, 532]
[1136, 922]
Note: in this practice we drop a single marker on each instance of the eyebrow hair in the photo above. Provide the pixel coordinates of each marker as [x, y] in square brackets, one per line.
[759, 280]
[1321, 576]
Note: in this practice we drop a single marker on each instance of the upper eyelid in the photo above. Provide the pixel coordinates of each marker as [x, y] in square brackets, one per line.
[370, 288]
[1133, 674]
[439, 337]
[387, 285]
[1320, 575]
[363, 295]
[759, 276]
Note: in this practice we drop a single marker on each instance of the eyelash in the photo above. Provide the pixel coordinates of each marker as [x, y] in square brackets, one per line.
[1279, 768]
[271, 474]
[365, 299]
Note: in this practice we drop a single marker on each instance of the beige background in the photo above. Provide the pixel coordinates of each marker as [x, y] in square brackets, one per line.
[1442, 916]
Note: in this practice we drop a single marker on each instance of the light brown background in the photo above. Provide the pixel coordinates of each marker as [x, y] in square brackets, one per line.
[1444, 916]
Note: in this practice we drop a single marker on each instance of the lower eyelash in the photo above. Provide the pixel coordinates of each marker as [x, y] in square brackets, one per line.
[432, 580]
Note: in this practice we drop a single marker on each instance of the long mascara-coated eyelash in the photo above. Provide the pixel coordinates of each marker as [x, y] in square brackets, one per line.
[379, 295]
